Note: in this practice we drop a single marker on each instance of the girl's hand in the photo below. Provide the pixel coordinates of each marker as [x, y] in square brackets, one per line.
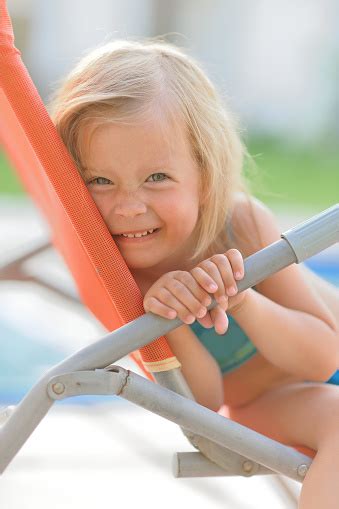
[186, 295]
[219, 273]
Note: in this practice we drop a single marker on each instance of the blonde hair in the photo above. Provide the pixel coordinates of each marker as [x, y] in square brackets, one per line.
[123, 79]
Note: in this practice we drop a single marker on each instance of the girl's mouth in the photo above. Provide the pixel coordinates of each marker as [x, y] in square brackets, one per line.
[138, 237]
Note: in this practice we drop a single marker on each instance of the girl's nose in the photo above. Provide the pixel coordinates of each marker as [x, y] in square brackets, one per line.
[129, 207]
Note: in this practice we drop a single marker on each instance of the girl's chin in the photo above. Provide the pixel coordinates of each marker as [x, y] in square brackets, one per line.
[140, 260]
[149, 267]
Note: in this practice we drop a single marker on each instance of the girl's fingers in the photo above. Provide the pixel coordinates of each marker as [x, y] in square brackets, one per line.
[225, 269]
[196, 290]
[153, 305]
[218, 269]
[206, 321]
[237, 263]
[209, 277]
[185, 297]
[167, 305]
[220, 320]
[187, 294]
[216, 318]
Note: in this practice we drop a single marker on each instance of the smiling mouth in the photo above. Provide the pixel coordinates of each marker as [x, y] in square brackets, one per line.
[145, 233]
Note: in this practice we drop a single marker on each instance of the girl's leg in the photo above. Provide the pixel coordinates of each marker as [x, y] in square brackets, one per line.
[305, 414]
[329, 451]
[320, 487]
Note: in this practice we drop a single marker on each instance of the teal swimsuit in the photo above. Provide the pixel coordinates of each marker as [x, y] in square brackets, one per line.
[231, 349]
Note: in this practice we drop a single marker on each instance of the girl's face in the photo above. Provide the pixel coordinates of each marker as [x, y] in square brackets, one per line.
[145, 184]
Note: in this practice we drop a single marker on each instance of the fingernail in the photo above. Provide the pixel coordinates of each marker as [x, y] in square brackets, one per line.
[221, 331]
[189, 319]
[172, 314]
[238, 275]
[232, 290]
[213, 287]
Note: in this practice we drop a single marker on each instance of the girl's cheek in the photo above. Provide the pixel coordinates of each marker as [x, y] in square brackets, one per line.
[100, 203]
[105, 207]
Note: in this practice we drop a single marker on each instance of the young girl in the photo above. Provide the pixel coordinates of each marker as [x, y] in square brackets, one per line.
[162, 159]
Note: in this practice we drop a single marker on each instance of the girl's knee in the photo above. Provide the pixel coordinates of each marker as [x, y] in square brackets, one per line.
[324, 426]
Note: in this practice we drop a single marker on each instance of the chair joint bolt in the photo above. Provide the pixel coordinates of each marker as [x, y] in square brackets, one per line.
[58, 388]
[302, 470]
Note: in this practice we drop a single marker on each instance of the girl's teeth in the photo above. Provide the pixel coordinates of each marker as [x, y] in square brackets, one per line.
[131, 235]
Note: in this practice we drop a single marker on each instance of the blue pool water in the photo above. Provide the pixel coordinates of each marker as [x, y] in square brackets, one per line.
[24, 359]
[327, 268]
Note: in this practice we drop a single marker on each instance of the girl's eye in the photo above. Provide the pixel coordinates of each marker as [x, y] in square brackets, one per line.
[100, 181]
[157, 177]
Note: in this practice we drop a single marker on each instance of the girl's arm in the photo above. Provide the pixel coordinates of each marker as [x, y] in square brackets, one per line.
[286, 318]
[326, 291]
[177, 293]
[199, 368]
[295, 341]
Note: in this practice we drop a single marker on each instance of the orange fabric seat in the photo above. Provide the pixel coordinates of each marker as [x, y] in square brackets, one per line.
[32, 144]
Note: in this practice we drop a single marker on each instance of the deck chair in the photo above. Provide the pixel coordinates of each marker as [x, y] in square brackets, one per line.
[107, 288]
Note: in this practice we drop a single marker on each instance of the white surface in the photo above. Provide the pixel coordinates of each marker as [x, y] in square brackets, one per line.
[103, 455]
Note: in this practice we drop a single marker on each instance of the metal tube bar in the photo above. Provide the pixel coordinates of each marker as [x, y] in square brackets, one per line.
[168, 404]
[174, 381]
[224, 432]
[217, 456]
[315, 234]
[195, 464]
[26, 253]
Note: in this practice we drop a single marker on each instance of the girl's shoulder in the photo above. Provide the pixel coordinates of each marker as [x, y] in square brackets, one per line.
[255, 227]
[252, 224]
